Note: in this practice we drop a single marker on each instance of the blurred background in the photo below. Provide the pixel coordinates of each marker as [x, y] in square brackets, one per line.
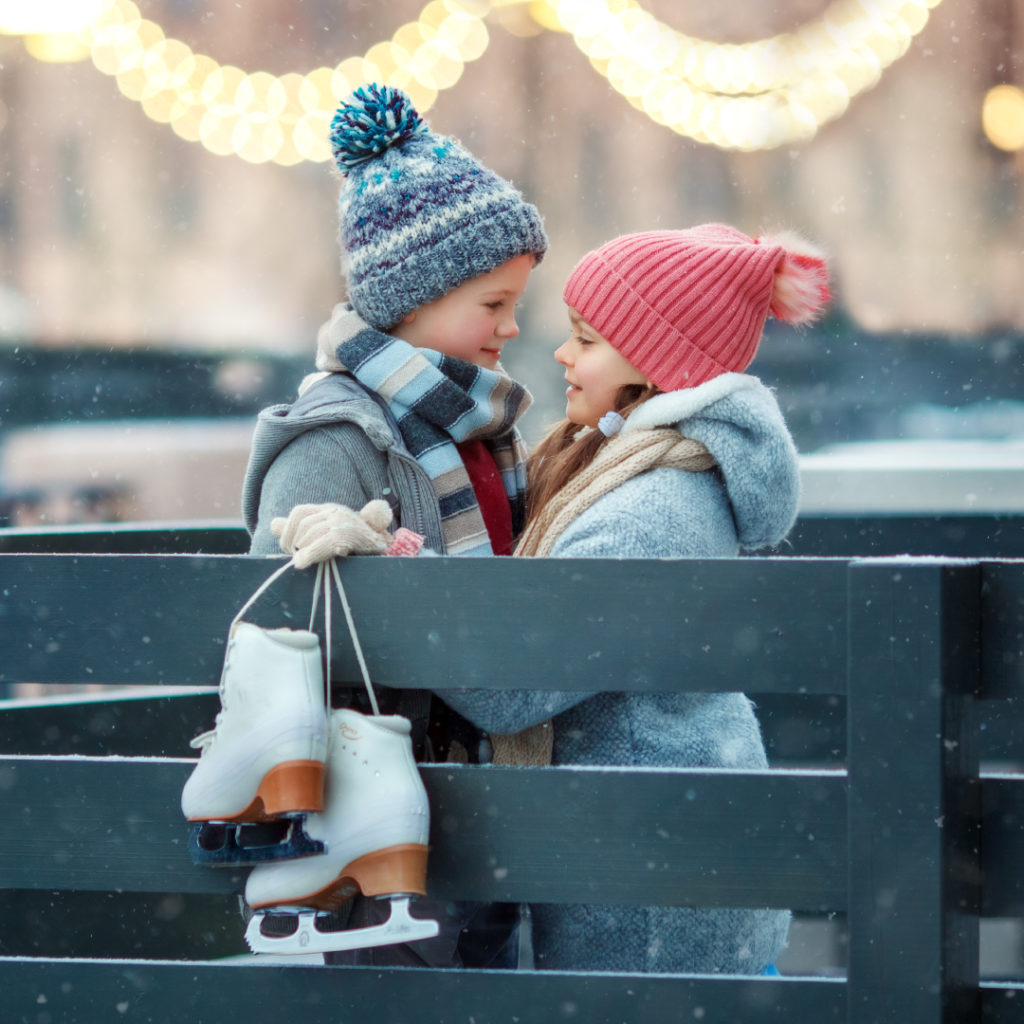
[168, 249]
[168, 233]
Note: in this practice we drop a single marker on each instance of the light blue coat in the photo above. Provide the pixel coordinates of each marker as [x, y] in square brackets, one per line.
[748, 502]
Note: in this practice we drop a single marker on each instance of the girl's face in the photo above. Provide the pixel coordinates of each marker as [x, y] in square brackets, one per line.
[473, 321]
[595, 371]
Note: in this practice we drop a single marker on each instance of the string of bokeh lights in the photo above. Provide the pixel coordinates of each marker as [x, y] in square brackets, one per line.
[750, 96]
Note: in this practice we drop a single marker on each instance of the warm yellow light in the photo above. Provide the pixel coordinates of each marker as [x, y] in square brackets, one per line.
[315, 91]
[754, 95]
[1002, 117]
[41, 17]
[311, 134]
[545, 13]
[57, 47]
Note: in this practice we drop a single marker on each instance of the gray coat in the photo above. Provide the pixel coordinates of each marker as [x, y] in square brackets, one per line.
[748, 502]
[336, 443]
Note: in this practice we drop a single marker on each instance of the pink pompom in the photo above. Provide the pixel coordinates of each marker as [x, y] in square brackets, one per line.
[800, 290]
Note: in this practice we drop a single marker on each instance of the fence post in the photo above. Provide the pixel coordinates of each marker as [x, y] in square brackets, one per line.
[913, 668]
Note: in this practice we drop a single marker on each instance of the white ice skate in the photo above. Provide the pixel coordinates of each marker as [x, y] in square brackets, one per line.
[263, 763]
[375, 829]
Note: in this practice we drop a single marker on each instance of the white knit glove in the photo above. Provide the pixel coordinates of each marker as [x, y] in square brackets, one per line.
[316, 533]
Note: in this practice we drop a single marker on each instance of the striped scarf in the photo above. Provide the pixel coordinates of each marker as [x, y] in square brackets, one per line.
[438, 401]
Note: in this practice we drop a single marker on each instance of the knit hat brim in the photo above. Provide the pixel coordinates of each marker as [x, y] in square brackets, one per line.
[480, 241]
[419, 215]
[682, 306]
[610, 305]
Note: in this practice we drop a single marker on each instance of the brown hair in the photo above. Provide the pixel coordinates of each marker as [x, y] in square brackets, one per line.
[567, 450]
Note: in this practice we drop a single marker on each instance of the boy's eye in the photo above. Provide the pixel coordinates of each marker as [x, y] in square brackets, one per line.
[497, 304]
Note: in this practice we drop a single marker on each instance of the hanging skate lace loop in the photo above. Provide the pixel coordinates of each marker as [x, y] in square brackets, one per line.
[317, 584]
[203, 740]
[261, 590]
[356, 646]
[323, 581]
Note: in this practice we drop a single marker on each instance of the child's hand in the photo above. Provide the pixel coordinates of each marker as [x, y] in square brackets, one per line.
[316, 533]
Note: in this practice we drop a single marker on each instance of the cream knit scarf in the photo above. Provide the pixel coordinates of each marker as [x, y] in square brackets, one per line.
[622, 458]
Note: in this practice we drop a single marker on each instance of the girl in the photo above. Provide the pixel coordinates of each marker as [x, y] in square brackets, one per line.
[668, 450]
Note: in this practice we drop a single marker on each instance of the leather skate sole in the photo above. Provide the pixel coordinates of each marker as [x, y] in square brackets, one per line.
[291, 787]
[392, 871]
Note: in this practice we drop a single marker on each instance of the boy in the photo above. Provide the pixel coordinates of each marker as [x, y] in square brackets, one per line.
[410, 407]
[411, 404]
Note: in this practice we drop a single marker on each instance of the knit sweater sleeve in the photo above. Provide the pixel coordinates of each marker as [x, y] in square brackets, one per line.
[507, 711]
[321, 465]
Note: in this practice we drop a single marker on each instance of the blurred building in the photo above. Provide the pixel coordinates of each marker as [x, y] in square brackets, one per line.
[117, 232]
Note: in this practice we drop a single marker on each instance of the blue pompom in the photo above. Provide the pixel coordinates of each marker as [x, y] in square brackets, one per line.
[375, 118]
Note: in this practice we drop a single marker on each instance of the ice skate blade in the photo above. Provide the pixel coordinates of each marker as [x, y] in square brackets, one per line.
[401, 926]
[234, 844]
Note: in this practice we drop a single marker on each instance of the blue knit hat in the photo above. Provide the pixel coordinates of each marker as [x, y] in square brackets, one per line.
[418, 214]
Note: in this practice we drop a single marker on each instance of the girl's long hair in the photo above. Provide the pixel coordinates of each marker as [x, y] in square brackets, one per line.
[568, 448]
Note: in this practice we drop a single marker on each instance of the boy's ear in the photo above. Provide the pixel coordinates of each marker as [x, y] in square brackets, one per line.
[408, 318]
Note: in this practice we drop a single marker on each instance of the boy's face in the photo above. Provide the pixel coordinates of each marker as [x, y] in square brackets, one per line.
[472, 322]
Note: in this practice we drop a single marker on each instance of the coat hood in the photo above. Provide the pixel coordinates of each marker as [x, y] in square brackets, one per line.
[739, 421]
[334, 398]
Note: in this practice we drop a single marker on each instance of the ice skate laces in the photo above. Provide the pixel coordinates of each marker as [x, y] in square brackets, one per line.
[356, 646]
[321, 584]
[205, 739]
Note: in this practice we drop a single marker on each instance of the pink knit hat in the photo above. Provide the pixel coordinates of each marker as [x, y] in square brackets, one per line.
[685, 306]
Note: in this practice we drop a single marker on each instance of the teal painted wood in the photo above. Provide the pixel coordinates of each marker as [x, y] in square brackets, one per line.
[617, 836]
[799, 730]
[1002, 845]
[1001, 1002]
[535, 623]
[922, 636]
[127, 538]
[158, 722]
[70, 992]
[914, 665]
[954, 536]
[1002, 611]
[815, 536]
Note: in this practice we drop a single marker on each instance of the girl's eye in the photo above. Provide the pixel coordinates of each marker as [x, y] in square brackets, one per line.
[582, 339]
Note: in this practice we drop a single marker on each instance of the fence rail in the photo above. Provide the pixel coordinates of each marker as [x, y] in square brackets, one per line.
[903, 833]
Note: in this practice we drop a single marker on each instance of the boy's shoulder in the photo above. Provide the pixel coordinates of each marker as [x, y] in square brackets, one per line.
[327, 390]
[332, 399]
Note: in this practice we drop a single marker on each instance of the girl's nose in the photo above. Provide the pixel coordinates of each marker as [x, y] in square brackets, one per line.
[562, 353]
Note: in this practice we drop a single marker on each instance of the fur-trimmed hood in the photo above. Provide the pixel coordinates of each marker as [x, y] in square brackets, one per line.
[739, 421]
